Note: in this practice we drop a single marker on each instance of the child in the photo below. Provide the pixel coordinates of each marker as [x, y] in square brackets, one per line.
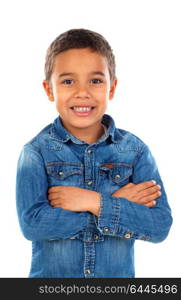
[87, 190]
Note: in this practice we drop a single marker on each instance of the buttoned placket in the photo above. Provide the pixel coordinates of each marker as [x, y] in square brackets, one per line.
[89, 245]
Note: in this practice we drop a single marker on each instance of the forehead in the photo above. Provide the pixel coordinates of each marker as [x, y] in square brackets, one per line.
[80, 59]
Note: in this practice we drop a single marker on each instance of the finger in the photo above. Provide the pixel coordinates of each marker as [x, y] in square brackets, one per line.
[54, 189]
[55, 203]
[150, 204]
[149, 198]
[145, 185]
[52, 196]
[150, 190]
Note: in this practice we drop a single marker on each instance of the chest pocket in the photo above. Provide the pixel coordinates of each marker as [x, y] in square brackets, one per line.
[65, 174]
[114, 175]
[120, 173]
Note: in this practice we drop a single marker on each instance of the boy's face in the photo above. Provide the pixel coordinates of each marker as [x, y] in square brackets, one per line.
[80, 86]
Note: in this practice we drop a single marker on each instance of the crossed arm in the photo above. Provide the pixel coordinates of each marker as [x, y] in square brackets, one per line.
[129, 209]
[80, 200]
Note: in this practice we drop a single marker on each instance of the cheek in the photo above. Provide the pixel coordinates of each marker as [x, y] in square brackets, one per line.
[101, 94]
[61, 98]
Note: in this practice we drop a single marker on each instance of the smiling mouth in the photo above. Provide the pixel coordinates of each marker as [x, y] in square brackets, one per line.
[82, 108]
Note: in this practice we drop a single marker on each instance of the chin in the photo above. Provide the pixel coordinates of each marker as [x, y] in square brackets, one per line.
[82, 126]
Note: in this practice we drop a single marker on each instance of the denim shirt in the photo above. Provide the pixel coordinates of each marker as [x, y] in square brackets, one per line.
[80, 244]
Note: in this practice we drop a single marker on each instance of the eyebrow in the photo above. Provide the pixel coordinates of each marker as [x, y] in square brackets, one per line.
[91, 73]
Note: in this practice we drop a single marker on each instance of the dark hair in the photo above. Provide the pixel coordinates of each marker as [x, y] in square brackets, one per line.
[79, 38]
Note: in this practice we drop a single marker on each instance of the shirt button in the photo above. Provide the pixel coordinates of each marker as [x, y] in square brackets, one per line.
[60, 173]
[117, 176]
[87, 271]
[127, 235]
[89, 182]
[106, 229]
[96, 236]
[89, 151]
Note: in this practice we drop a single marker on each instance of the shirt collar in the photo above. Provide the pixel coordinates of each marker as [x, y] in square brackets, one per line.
[60, 133]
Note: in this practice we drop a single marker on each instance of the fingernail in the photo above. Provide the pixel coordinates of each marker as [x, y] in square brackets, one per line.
[154, 203]
[154, 182]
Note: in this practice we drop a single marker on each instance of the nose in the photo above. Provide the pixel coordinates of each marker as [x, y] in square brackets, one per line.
[82, 91]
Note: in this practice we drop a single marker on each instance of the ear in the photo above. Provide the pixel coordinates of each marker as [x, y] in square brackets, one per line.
[48, 89]
[112, 88]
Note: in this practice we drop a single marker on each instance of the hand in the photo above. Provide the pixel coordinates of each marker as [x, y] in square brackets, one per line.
[74, 198]
[143, 193]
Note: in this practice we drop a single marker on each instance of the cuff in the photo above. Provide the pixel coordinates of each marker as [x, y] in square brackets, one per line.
[112, 222]
[109, 217]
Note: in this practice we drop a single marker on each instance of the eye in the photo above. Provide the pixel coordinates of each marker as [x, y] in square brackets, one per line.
[96, 81]
[67, 81]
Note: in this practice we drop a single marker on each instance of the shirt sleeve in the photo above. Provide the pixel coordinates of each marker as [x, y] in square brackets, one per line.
[38, 219]
[123, 218]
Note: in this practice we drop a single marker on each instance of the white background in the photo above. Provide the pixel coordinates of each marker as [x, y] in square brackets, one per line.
[146, 38]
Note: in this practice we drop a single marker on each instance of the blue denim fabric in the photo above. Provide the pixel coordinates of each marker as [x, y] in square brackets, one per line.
[80, 244]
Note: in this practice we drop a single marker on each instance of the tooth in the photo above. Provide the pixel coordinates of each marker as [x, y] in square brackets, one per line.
[82, 109]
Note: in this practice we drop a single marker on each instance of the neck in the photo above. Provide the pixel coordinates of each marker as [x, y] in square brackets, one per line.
[91, 138]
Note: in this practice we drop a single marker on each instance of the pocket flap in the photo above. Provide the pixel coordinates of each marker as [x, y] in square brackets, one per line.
[120, 172]
[63, 170]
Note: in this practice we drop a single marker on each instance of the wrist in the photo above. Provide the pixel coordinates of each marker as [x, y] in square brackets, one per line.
[95, 203]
